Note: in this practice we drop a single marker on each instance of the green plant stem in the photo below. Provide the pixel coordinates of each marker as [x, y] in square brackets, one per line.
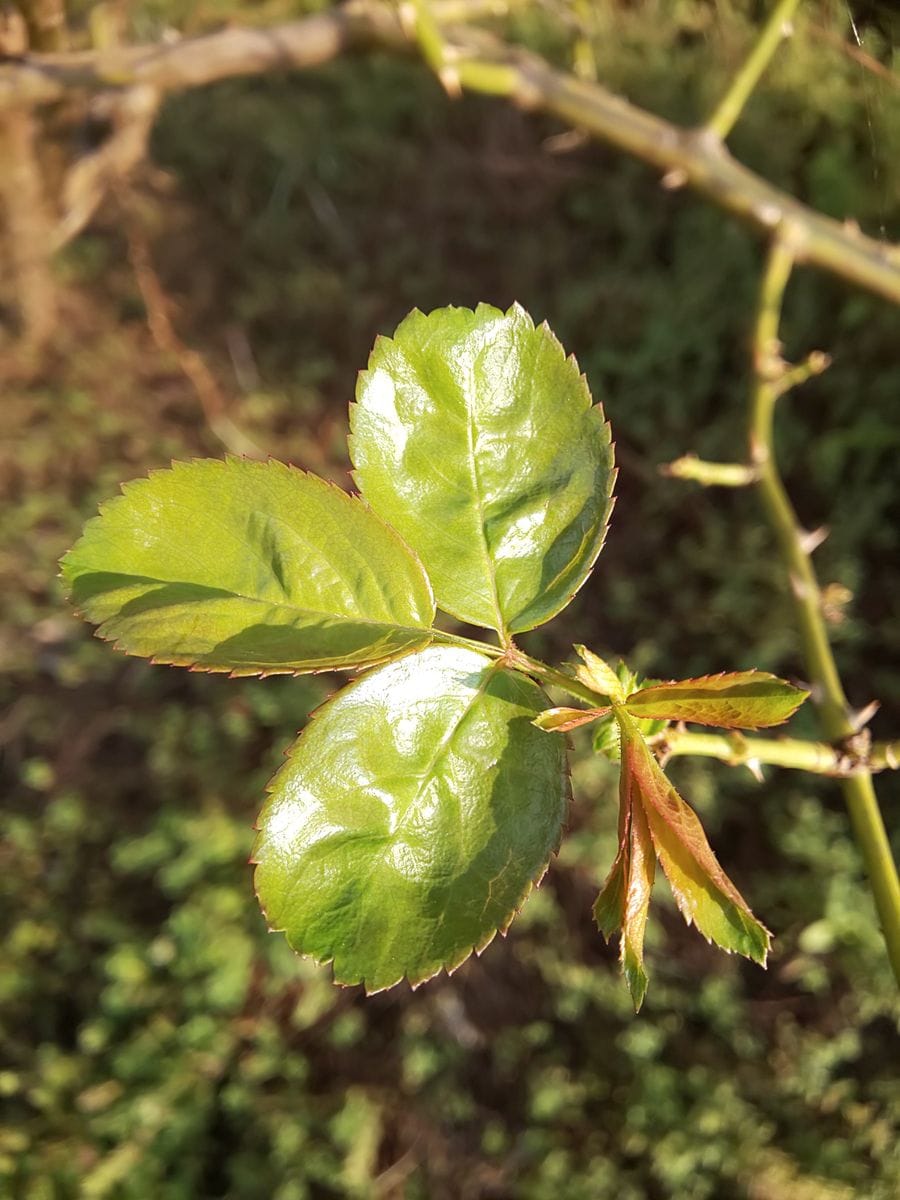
[827, 690]
[853, 756]
[850, 758]
[730, 107]
[710, 474]
[817, 758]
[455, 639]
[554, 678]
[429, 36]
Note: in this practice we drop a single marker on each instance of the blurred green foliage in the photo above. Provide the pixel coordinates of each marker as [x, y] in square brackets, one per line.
[155, 1040]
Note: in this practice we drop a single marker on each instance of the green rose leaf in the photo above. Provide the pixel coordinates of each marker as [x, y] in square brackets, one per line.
[740, 700]
[703, 892]
[248, 567]
[474, 436]
[412, 818]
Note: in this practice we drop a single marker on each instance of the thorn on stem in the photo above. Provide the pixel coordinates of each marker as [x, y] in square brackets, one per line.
[862, 716]
[563, 143]
[769, 214]
[799, 587]
[674, 179]
[450, 81]
[811, 539]
[759, 451]
[754, 766]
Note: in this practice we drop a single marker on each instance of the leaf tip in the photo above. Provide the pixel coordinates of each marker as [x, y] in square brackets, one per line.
[634, 972]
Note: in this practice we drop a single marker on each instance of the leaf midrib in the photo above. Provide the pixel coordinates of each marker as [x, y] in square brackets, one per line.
[389, 839]
[479, 511]
[228, 594]
[378, 859]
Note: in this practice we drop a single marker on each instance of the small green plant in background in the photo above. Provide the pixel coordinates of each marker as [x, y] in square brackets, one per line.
[422, 803]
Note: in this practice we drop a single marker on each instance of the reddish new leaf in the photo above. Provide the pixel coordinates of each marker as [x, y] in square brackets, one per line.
[703, 892]
[641, 872]
[740, 700]
[624, 899]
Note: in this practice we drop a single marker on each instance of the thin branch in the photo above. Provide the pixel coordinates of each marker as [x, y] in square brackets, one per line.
[773, 33]
[700, 161]
[419, 17]
[193, 366]
[827, 690]
[197, 61]
[45, 21]
[90, 178]
[856, 754]
[584, 60]
[769, 371]
[692, 157]
[817, 758]
[711, 474]
[25, 232]
[814, 364]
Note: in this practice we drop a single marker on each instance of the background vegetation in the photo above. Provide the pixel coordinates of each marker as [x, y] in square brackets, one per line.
[156, 1041]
